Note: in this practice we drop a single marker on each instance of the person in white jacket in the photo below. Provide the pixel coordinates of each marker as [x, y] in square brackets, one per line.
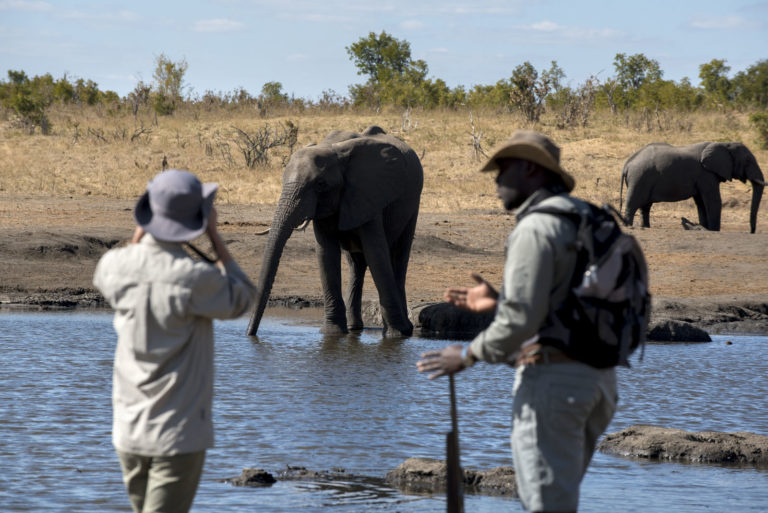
[164, 303]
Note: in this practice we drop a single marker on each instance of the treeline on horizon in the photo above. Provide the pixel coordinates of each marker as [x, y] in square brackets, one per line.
[394, 79]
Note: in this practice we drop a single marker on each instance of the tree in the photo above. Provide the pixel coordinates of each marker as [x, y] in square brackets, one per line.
[86, 92]
[139, 96]
[751, 86]
[272, 92]
[714, 80]
[169, 84]
[380, 57]
[529, 90]
[633, 72]
[393, 77]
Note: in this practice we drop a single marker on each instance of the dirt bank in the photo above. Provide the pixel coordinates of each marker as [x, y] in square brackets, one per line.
[50, 245]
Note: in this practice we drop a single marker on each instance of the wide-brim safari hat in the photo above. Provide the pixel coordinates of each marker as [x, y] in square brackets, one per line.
[176, 206]
[532, 146]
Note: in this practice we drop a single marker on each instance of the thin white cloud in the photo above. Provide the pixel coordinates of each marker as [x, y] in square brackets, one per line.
[321, 18]
[295, 57]
[470, 9]
[121, 16]
[217, 25]
[551, 27]
[723, 23]
[411, 25]
[24, 5]
[546, 26]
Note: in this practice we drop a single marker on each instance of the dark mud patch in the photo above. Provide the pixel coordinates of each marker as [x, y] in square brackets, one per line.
[51, 300]
[434, 244]
[668, 444]
[427, 475]
[54, 246]
[418, 476]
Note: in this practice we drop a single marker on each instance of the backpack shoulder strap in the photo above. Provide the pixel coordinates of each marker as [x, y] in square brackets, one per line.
[566, 206]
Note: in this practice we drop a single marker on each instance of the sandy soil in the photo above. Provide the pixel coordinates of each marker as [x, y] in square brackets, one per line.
[50, 245]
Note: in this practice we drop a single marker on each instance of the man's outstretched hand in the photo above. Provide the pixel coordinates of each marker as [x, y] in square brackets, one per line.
[441, 362]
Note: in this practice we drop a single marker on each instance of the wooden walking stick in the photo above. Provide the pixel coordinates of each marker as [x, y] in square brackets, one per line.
[453, 489]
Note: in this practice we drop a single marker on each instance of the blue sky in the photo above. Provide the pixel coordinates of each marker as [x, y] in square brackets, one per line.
[230, 44]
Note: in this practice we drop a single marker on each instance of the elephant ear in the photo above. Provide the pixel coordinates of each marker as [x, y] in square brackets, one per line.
[373, 130]
[375, 175]
[716, 158]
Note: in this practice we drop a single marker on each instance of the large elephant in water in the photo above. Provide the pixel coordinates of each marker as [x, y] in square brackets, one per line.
[659, 172]
[362, 192]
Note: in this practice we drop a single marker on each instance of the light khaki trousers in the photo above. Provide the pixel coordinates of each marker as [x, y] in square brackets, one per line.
[560, 411]
[161, 484]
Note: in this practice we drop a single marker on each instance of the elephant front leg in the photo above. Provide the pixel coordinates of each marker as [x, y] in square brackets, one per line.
[329, 260]
[354, 299]
[710, 206]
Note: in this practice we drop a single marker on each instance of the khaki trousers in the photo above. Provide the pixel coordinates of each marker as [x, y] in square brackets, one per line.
[161, 484]
[560, 411]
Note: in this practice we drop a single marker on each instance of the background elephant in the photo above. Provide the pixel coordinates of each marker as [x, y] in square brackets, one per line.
[362, 192]
[659, 172]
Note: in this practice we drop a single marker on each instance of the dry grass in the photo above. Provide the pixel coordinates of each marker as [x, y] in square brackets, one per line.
[96, 153]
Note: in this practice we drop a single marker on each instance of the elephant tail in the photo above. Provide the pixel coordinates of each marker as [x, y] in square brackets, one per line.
[621, 193]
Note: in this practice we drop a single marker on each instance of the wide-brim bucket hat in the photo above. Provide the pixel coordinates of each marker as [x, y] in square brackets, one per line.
[532, 146]
[176, 206]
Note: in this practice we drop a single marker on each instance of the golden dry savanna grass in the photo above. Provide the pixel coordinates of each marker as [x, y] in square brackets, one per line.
[91, 152]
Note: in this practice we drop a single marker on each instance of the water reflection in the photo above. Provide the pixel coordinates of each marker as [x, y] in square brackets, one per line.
[294, 397]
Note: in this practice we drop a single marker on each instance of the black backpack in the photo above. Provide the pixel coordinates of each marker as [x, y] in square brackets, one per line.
[604, 317]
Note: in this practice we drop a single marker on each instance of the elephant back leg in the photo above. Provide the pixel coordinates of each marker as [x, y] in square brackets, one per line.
[378, 254]
[634, 203]
[354, 299]
[401, 254]
[646, 213]
[629, 215]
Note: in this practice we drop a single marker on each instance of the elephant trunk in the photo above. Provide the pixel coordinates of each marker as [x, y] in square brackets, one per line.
[757, 194]
[288, 216]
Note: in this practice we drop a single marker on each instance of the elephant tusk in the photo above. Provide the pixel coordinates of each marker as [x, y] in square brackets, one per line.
[299, 229]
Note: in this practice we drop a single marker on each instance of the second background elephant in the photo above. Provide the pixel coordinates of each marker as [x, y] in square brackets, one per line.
[659, 172]
[362, 192]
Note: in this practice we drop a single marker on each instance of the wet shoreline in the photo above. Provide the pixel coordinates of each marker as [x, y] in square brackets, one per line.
[715, 315]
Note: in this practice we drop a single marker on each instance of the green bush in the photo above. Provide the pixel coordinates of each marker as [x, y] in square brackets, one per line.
[28, 103]
[760, 121]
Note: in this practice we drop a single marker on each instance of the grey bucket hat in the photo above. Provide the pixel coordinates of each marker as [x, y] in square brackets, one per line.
[533, 146]
[176, 206]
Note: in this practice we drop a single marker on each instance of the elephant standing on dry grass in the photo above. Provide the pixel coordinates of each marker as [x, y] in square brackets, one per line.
[362, 192]
[659, 172]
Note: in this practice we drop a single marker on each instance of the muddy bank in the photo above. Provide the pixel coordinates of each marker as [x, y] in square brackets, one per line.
[49, 247]
[672, 319]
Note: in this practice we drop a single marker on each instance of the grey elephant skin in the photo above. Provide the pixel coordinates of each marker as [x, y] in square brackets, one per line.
[362, 193]
[660, 172]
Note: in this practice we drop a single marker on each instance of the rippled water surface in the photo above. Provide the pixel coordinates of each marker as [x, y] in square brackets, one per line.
[292, 398]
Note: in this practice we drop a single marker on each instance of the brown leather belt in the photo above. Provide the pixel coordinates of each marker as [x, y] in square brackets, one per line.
[536, 354]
